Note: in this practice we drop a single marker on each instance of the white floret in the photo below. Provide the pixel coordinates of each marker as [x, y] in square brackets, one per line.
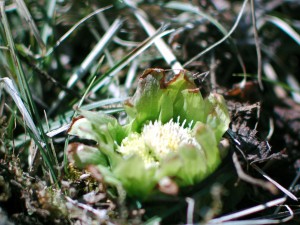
[157, 140]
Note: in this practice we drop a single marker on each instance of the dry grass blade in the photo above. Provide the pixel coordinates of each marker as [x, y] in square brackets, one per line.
[284, 190]
[270, 73]
[107, 103]
[106, 78]
[25, 93]
[257, 45]
[132, 73]
[105, 24]
[248, 211]
[294, 84]
[294, 182]
[28, 18]
[67, 57]
[243, 176]
[262, 221]
[162, 47]
[99, 213]
[190, 210]
[192, 9]
[103, 103]
[16, 66]
[90, 60]
[67, 34]
[47, 29]
[18, 70]
[96, 52]
[223, 39]
[285, 27]
[9, 87]
[57, 131]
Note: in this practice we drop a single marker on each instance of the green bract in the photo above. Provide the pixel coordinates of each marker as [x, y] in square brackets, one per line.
[171, 134]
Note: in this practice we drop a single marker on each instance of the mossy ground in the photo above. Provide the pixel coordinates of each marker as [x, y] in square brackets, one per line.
[260, 117]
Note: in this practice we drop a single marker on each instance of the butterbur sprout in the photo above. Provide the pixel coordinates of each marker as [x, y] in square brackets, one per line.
[170, 139]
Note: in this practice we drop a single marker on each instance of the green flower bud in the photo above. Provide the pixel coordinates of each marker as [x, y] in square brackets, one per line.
[172, 135]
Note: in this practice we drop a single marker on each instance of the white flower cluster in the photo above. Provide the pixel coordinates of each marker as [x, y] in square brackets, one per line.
[157, 140]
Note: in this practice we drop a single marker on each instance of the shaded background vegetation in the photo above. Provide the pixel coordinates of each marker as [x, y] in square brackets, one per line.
[41, 69]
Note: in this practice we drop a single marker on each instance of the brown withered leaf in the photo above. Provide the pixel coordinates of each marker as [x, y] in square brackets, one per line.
[243, 133]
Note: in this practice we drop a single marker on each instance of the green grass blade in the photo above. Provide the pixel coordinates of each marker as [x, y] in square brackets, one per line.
[25, 92]
[8, 86]
[47, 29]
[28, 18]
[28, 121]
